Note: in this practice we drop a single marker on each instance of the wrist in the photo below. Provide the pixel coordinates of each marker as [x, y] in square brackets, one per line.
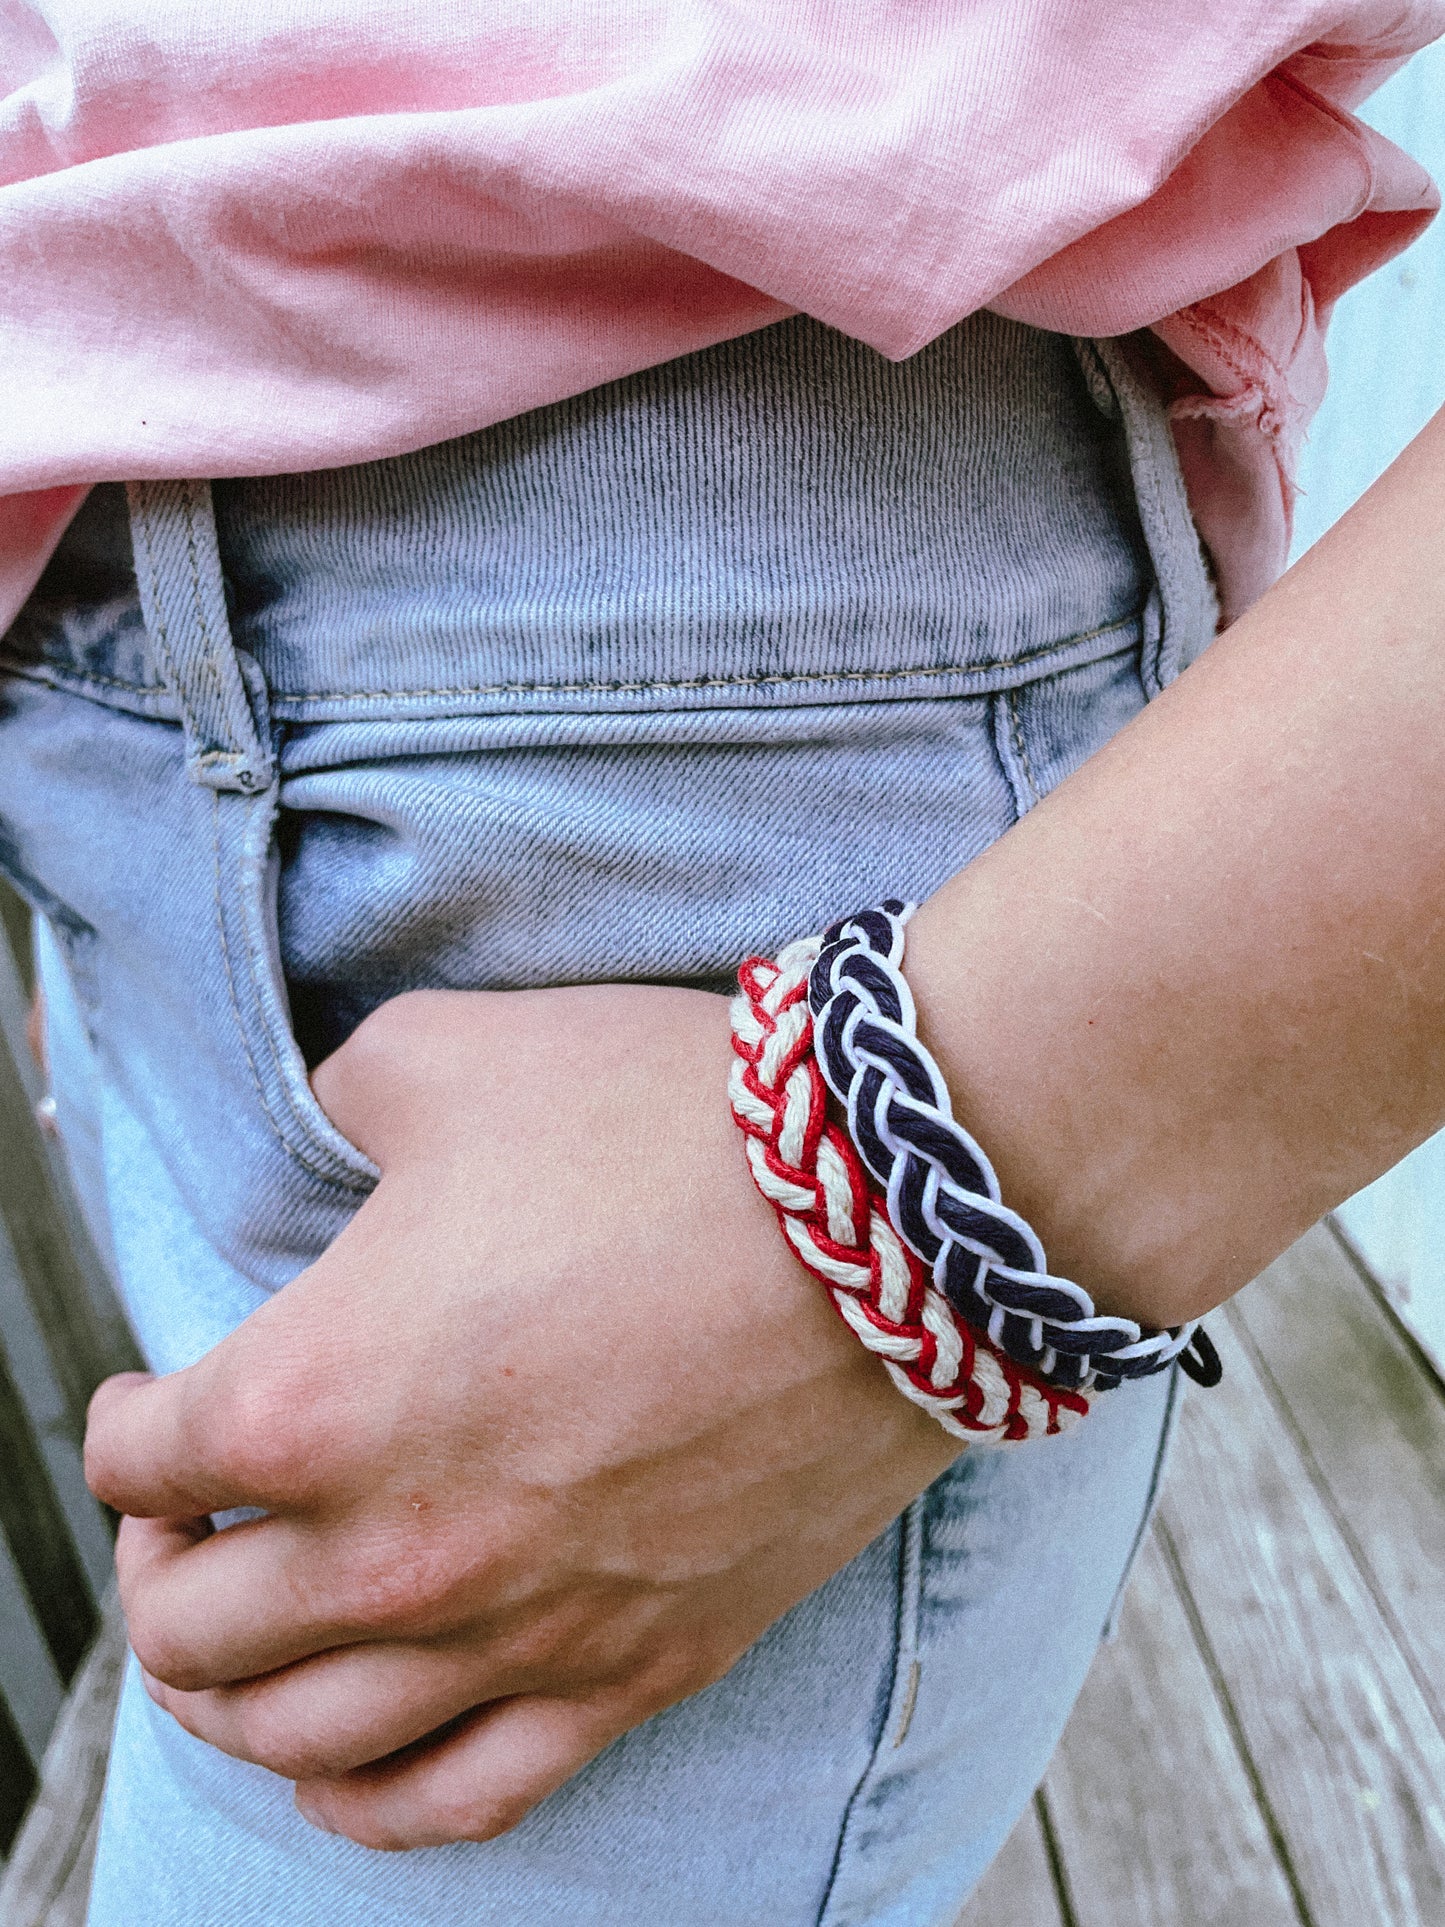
[1043, 1071]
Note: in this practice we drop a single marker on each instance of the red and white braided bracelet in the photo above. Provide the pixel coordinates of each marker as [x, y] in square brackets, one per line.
[805, 1165]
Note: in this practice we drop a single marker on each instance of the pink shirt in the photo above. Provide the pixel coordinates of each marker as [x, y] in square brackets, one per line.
[256, 236]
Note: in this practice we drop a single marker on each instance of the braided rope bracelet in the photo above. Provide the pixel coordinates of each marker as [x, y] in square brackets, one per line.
[805, 1166]
[941, 1190]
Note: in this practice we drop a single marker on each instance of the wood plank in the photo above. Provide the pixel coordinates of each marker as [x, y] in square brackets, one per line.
[23, 1344]
[64, 1282]
[1018, 1889]
[1153, 1804]
[17, 1780]
[29, 1684]
[1347, 1754]
[1369, 1422]
[15, 926]
[47, 1883]
[39, 1538]
[1397, 1225]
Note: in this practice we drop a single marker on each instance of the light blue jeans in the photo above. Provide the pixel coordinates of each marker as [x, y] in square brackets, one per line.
[627, 689]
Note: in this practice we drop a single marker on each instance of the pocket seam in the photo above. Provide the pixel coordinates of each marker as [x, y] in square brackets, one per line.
[304, 1152]
[902, 1692]
[298, 702]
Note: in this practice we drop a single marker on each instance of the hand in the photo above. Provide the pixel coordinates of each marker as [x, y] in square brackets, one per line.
[546, 1439]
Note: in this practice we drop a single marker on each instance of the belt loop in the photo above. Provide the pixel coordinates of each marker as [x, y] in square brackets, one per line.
[1185, 615]
[183, 599]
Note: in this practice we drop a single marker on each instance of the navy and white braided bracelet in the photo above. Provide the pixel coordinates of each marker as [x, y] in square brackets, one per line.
[943, 1196]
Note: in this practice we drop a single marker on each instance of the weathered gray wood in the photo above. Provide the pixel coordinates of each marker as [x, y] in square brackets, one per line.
[1018, 1889]
[47, 1881]
[39, 1537]
[1369, 1424]
[1153, 1807]
[23, 1344]
[62, 1328]
[29, 1682]
[18, 1779]
[1347, 1753]
[15, 925]
[84, 1331]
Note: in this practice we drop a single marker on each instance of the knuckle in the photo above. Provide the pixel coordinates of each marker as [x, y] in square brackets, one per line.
[101, 1465]
[161, 1653]
[104, 1454]
[268, 1741]
[389, 1589]
[550, 1644]
[254, 1432]
[372, 1080]
[383, 1043]
[269, 1735]
[480, 1816]
[373, 1830]
[675, 1672]
[632, 1659]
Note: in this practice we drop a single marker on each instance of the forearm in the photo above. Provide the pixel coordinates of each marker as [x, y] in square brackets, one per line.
[1197, 996]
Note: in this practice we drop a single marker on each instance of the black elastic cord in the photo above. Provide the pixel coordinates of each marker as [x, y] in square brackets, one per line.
[1200, 1361]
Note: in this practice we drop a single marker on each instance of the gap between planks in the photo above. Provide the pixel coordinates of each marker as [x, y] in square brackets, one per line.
[1263, 1743]
[46, 1882]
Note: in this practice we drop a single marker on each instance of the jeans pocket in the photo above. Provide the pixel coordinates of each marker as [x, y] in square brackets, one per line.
[247, 883]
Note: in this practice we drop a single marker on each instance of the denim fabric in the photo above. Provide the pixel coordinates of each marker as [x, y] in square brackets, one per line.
[624, 689]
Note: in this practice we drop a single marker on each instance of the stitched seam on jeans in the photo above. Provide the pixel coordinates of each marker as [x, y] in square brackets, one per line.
[352, 1181]
[61, 673]
[159, 636]
[57, 674]
[237, 750]
[1006, 756]
[1011, 698]
[1179, 553]
[1153, 512]
[782, 676]
[277, 1130]
[887, 1723]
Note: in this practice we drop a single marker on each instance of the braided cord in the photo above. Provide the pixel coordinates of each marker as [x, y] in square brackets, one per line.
[941, 1190]
[807, 1169]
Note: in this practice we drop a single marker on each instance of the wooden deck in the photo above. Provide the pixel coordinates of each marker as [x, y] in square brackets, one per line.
[1264, 1743]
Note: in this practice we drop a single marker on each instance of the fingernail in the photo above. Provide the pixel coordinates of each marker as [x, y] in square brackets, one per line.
[312, 1816]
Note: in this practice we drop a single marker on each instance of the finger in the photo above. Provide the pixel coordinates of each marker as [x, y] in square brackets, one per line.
[142, 1452]
[336, 1712]
[377, 1086]
[206, 1608]
[149, 1451]
[260, 1420]
[473, 1783]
